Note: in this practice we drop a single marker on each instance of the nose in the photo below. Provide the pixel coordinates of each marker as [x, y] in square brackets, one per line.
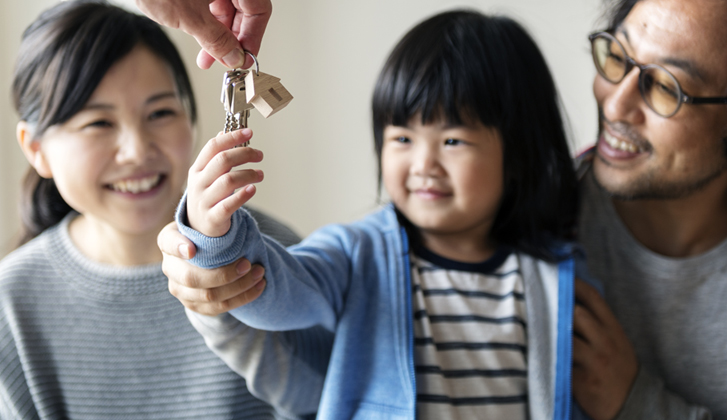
[425, 161]
[621, 101]
[134, 147]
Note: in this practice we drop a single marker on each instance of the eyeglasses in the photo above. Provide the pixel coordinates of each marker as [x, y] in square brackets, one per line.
[659, 88]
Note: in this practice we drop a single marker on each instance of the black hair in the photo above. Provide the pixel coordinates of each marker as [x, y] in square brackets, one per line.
[462, 66]
[64, 54]
[617, 11]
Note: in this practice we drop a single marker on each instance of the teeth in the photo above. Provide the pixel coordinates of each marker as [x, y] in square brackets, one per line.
[620, 145]
[136, 186]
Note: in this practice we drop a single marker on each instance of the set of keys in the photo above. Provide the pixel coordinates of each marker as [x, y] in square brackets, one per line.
[243, 90]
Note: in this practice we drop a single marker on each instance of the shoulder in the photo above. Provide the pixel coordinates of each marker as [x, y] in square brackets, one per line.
[27, 260]
[370, 237]
[378, 223]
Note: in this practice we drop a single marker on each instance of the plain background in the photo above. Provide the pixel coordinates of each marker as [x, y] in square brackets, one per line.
[319, 161]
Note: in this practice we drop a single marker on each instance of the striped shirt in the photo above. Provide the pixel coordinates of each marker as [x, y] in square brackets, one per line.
[469, 338]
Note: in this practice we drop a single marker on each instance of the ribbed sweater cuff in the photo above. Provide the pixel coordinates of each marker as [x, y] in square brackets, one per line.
[213, 252]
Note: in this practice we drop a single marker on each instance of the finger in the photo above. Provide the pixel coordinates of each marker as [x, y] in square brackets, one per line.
[216, 308]
[582, 352]
[184, 274]
[249, 26]
[225, 298]
[213, 33]
[222, 165]
[226, 185]
[587, 326]
[219, 143]
[173, 243]
[589, 297]
[204, 60]
[223, 210]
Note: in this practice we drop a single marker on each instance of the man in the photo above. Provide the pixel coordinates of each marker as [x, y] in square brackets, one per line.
[654, 217]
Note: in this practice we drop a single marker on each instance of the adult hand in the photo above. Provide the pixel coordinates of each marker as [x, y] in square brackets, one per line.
[208, 292]
[604, 361]
[221, 27]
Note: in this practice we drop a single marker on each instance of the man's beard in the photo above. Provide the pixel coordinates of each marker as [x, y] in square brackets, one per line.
[649, 187]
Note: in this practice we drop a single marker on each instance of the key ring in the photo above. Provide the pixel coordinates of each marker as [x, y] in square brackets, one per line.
[254, 59]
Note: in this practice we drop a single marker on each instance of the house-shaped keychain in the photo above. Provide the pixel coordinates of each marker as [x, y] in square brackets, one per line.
[266, 93]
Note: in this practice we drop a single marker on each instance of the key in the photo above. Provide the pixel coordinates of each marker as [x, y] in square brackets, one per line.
[237, 110]
[243, 90]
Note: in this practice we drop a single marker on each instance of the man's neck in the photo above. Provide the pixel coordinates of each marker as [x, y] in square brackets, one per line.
[682, 227]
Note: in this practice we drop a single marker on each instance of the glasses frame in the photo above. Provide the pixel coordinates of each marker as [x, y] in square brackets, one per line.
[682, 98]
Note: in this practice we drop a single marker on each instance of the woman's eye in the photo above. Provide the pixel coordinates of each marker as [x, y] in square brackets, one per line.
[99, 124]
[402, 139]
[452, 142]
[161, 113]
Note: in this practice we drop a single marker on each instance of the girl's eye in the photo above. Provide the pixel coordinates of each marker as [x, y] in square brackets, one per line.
[402, 139]
[99, 124]
[161, 113]
[452, 142]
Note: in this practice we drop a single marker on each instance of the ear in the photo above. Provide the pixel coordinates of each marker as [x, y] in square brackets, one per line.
[32, 150]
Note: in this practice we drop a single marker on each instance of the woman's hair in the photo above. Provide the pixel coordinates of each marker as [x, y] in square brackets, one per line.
[63, 56]
[463, 66]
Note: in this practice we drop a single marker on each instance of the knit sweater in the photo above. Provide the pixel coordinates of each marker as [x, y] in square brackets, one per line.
[84, 340]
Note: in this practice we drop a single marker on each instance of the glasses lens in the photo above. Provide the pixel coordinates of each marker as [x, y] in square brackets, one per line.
[610, 58]
[660, 89]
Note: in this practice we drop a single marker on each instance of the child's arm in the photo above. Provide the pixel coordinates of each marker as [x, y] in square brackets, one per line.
[302, 290]
[211, 195]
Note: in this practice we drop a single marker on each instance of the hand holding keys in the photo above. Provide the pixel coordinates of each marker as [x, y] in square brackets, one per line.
[243, 90]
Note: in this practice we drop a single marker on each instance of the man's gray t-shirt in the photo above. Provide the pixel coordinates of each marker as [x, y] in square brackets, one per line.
[674, 311]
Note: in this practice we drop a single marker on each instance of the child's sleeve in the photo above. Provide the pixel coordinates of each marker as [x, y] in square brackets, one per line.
[305, 287]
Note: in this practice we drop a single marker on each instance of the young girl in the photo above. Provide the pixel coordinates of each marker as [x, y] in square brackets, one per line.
[88, 329]
[456, 300]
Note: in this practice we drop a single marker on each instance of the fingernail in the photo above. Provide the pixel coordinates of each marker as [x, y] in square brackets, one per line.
[258, 273]
[234, 59]
[260, 285]
[184, 251]
[243, 267]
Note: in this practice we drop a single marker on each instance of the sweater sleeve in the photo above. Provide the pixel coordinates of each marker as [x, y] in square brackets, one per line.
[285, 369]
[306, 284]
[649, 399]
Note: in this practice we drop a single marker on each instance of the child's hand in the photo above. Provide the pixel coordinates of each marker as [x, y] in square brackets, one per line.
[211, 196]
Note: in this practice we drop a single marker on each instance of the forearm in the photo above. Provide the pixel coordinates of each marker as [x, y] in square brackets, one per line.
[649, 399]
[285, 369]
[302, 290]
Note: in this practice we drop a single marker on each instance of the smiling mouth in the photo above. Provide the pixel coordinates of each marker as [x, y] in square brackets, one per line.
[431, 193]
[137, 186]
[617, 144]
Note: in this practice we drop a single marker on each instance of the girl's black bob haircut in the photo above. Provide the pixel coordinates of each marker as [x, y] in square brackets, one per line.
[461, 67]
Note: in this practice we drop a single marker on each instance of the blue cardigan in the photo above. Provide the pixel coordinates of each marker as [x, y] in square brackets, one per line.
[354, 280]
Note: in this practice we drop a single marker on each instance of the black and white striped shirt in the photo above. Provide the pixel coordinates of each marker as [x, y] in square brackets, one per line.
[470, 337]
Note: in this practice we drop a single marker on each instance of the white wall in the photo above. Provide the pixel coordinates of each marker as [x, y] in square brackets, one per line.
[319, 162]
